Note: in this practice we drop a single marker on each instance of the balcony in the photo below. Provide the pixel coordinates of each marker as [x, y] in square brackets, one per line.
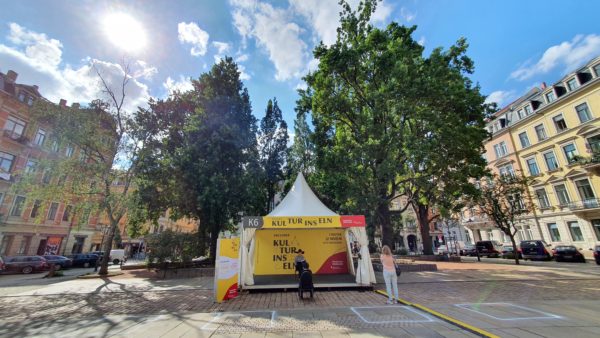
[19, 138]
[585, 207]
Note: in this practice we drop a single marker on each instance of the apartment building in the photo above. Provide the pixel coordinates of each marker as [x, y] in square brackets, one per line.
[551, 134]
[23, 144]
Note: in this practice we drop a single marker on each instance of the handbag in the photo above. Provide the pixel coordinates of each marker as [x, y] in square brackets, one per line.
[397, 267]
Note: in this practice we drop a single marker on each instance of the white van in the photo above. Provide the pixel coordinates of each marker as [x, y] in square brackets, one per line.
[117, 256]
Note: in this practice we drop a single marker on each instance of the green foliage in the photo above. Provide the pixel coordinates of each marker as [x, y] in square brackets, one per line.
[389, 121]
[172, 246]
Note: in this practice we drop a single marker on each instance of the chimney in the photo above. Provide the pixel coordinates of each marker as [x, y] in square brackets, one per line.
[62, 103]
[75, 105]
[12, 76]
[544, 86]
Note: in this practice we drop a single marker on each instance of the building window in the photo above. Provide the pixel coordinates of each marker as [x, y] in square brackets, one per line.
[572, 84]
[570, 153]
[561, 194]
[507, 170]
[500, 149]
[540, 132]
[24, 247]
[30, 101]
[551, 162]
[520, 114]
[55, 146]
[6, 161]
[52, 211]
[554, 233]
[15, 127]
[529, 232]
[6, 244]
[583, 112]
[597, 70]
[542, 198]
[30, 166]
[524, 140]
[585, 190]
[596, 227]
[17, 208]
[35, 210]
[21, 96]
[40, 137]
[516, 202]
[593, 144]
[533, 167]
[522, 234]
[575, 231]
[67, 213]
[550, 97]
[490, 234]
[69, 151]
[559, 123]
[47, 177]
[527, 109]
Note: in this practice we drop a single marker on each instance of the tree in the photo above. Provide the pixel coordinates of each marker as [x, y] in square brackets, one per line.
[272, 143]
[203, 160]
[107, 142]
[501, 198]
[391, 122]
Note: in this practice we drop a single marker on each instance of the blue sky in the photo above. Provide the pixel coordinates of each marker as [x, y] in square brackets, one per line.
[515, 44]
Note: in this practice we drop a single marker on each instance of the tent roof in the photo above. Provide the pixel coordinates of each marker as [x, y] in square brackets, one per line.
[301, 201]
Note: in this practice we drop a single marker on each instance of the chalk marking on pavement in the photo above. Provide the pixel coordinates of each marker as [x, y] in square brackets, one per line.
[468, 306]
[240, 313]
[428, 319]
[450, 320]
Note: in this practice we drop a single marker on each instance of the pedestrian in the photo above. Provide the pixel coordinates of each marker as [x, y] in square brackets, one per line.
[389, 274]
[299, 261]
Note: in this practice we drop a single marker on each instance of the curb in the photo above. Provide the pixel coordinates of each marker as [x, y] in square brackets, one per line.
[456, 322]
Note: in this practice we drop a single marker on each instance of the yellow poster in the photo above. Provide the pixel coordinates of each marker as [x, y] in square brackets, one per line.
[227, 268]
[325, 250]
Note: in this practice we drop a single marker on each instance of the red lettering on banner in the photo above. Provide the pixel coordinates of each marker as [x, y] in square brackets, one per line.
[353, 221]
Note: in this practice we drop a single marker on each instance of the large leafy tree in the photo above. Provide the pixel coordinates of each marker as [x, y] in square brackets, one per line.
[204, 160]
[390, 122]
[272, 143]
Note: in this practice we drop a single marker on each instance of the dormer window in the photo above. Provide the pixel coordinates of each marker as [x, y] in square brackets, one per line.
[572, 84]
[550, 97]
[597, 70]
[22, 96]
[521, 113]
[30, 101]
[527, 109]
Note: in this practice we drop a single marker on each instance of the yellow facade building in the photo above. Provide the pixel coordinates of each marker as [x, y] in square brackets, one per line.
[552, 134]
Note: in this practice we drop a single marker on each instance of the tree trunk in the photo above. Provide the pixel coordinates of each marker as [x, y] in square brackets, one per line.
[423, 218]
[384, 220]
[214, 236]
[108, 242]
[516, 252]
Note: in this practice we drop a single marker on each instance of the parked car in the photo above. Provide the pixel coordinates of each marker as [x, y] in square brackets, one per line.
[60, 262]
[97, 253]
[568, 253]
[1, 265]
[508, 252]
[84, 260]
[597, 254]
[489, 248]
[468, 250]
[25, 264]
[117, 256]
[442, 249]
[535, 250]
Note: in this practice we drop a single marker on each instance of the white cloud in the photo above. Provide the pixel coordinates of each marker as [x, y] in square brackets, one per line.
[275, 32]
[241, 58]
[222, 47]
[422, 41]
[501, 97]
[568, 55]
[407, 15]
[191, 33]
[38, 60]
[301, 85]
[243, 74]
[182, 85]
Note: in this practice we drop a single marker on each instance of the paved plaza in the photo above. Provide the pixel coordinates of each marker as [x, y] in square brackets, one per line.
[547, 300]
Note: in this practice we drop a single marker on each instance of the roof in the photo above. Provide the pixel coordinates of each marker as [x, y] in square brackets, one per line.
[301, 201]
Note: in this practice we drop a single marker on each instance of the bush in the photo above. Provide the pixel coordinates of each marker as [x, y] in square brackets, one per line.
[401, 251]
[172, 246]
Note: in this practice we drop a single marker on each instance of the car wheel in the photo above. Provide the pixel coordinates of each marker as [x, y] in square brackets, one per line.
[115, 261]
[86, 264]
[27, 269]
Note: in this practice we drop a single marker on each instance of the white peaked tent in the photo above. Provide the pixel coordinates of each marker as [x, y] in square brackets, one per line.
[302, 201]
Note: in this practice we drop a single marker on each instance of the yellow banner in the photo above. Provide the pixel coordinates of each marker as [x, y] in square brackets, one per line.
[325, 251]
[227, 269]
[301, 222]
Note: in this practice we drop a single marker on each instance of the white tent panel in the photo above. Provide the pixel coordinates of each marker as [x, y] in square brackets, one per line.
[301, 201]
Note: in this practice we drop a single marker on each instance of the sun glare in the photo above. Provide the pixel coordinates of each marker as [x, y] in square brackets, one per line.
[124, 31]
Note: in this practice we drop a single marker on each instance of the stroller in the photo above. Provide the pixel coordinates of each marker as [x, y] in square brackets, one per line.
[306, 283]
